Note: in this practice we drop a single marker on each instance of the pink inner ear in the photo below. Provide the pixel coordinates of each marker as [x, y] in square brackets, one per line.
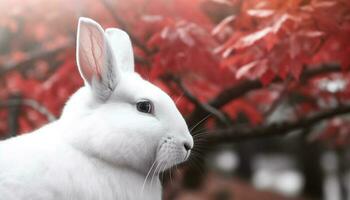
[97, 55]
[87, 72]
[91, 55]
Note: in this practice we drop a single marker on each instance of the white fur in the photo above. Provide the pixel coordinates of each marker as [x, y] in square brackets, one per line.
[102, 147]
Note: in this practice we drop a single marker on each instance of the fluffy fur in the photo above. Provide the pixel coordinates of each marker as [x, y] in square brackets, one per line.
[102, 147]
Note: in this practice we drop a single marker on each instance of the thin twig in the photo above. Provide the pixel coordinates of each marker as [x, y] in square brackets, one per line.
[211, 110]
[142, 61]
[40, 108]
[125, 26]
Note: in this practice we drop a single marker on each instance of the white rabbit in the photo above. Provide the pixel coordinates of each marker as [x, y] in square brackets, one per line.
[111, 133]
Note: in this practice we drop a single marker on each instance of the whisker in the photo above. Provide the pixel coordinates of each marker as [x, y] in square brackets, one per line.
[201, 142]
[202, 148]
[148, 173]
[221, 129]
[179, 98]
[194, 162]
[176, 169]
[198, 131]
[162, 168]
[199, 135]
[155, 173]
[171, 181]
[205, 118]
[163, 172]
[195, 151]
[197, 154]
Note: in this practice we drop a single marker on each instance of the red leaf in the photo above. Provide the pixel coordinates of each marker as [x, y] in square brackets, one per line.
[295, 68]
[219, 28]
[252, 38]
[260, 12]
[267, 77]
[245, 68]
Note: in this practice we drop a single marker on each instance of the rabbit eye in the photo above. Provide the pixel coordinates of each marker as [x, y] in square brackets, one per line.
[144, 106]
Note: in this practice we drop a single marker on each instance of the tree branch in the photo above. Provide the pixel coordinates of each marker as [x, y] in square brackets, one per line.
[13, 113]
[274, 129]
[47, 55]
[281, 96]
[30, 103]
[240, 89]
[40, 108]
[22, 65]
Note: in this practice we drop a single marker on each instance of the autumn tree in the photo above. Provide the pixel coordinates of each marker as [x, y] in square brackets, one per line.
[232, 66]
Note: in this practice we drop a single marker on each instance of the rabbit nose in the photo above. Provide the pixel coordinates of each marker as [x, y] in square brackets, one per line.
[187, 146]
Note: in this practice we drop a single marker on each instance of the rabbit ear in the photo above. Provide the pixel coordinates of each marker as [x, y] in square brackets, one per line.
[122, 49]
[95, 59]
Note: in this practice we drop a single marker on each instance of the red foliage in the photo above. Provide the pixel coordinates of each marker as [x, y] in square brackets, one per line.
[211, 45]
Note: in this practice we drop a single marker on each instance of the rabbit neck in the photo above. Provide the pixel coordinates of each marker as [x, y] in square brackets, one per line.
[122, 182]
[128, 184]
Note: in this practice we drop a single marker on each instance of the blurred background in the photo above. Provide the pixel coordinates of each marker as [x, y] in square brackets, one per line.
[263, 85]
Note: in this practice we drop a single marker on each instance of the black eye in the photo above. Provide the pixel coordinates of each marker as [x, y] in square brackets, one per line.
[144, 106]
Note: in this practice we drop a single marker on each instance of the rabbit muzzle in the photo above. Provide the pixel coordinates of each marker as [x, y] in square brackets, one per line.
[173, 150]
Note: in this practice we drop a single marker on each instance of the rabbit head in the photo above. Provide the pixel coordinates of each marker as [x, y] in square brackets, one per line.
[122, 118]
